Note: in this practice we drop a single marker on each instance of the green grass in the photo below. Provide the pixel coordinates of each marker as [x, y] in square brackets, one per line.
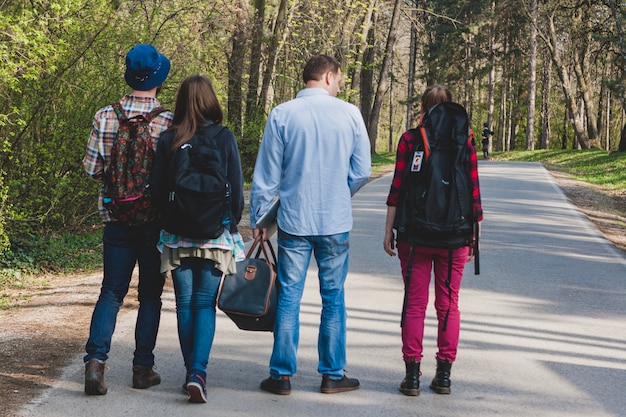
[383, 159]
[592, 166]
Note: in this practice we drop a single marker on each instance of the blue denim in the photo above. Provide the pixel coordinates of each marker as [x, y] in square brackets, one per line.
[294, 255]
[196, 282]
[123, 247]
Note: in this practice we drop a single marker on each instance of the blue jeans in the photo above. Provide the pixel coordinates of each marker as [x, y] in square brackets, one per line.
[123, 248]
[294, 255]
[196, 282]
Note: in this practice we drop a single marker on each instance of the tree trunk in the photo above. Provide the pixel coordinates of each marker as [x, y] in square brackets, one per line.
[410, 94]
[622, 140]
[545, 104]
[511, 120]
[551, 41]
[235, 68]
[384, 75]
[492, 69]
[258, 22]
[281, 30]
[367, 76]
[365, 44]
[581, 69]
[532, 78]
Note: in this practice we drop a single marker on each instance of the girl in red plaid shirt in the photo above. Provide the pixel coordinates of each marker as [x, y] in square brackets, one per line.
[423, 261]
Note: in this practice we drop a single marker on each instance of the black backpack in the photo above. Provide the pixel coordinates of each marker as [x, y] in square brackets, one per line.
[127, 173]
[198, 203]
[435, 203]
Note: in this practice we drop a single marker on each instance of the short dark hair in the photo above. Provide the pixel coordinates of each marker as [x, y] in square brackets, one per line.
[319, 65]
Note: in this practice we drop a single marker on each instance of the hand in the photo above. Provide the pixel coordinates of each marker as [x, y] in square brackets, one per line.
[471, 253]
[388, 243]
[262, 232]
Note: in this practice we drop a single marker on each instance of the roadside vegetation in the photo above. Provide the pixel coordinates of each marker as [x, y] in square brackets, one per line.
[607, 169]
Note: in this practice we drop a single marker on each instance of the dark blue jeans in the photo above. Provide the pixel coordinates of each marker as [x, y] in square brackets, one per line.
[124, 247]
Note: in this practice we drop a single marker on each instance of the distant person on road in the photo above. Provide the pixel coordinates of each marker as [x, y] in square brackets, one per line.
[315, 154]
[486, 134]
[197, 264]
[124, 245]
[421, 253]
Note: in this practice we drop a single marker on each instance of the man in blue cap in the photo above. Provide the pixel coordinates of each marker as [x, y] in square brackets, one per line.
[124, 246]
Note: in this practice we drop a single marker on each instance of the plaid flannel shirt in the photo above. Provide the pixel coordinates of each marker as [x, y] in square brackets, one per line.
[103, 132]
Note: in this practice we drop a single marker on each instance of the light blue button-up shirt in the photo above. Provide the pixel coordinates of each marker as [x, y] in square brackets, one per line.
[315, 155]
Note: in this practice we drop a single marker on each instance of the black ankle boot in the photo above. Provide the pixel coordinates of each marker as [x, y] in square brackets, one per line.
[441, 383]
[411, 383]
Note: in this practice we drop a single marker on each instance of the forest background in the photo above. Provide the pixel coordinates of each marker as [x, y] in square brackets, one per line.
[542, 74]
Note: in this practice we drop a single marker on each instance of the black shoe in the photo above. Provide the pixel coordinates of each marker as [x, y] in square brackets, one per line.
[411, 383]
[332, 386]
[94, 377]
[441, 383]
[280, 386]
[145, 377]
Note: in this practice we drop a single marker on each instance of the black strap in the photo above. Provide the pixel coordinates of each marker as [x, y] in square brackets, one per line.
[407, 281]
[448, 280]
[476, 250]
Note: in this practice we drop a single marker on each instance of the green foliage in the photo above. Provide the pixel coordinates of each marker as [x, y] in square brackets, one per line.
[61, 253]
[249, 144]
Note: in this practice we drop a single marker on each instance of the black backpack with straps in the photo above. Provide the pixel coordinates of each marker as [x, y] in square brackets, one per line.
[199, 201]
[435, 204]
[436, 195]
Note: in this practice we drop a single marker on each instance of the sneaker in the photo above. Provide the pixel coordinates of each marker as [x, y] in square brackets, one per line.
[196, 387]
[332, 386]
[145, 377]
[94, 377]
[280, 386]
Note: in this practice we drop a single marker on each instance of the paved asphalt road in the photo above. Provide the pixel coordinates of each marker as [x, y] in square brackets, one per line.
[543, 327]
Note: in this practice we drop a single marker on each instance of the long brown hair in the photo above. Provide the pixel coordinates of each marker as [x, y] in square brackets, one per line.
[196, 103]
[433, 95]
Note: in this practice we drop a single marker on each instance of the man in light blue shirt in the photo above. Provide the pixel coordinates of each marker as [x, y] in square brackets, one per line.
[315, 155]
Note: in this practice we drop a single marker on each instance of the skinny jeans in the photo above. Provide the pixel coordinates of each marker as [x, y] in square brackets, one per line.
[196, 282]
[425, 261]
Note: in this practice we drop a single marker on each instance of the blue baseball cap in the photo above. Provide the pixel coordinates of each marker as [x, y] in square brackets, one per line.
[146, 68]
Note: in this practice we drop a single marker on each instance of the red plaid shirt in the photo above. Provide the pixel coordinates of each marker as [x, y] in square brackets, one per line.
[404, 156]
[103, 132]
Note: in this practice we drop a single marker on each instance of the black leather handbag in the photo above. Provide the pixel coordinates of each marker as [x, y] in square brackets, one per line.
[249, 297]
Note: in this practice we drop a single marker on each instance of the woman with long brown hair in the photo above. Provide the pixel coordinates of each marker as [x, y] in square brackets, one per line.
[198, 263]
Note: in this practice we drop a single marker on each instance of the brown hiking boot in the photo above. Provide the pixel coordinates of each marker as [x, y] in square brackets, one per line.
[145, 377]
[94, 377]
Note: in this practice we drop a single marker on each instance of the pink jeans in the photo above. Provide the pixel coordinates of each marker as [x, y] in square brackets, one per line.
[446, 301]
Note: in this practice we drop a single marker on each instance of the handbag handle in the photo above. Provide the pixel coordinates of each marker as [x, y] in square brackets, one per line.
[263, 247]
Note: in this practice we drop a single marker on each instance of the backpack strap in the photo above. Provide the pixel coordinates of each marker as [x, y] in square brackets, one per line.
[119, 110]
[154, 113]
[407, 283]
[424, 138]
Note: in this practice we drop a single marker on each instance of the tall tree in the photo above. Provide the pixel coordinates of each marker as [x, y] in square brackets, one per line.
[236, 60]
[532, 77]
[374, 116]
